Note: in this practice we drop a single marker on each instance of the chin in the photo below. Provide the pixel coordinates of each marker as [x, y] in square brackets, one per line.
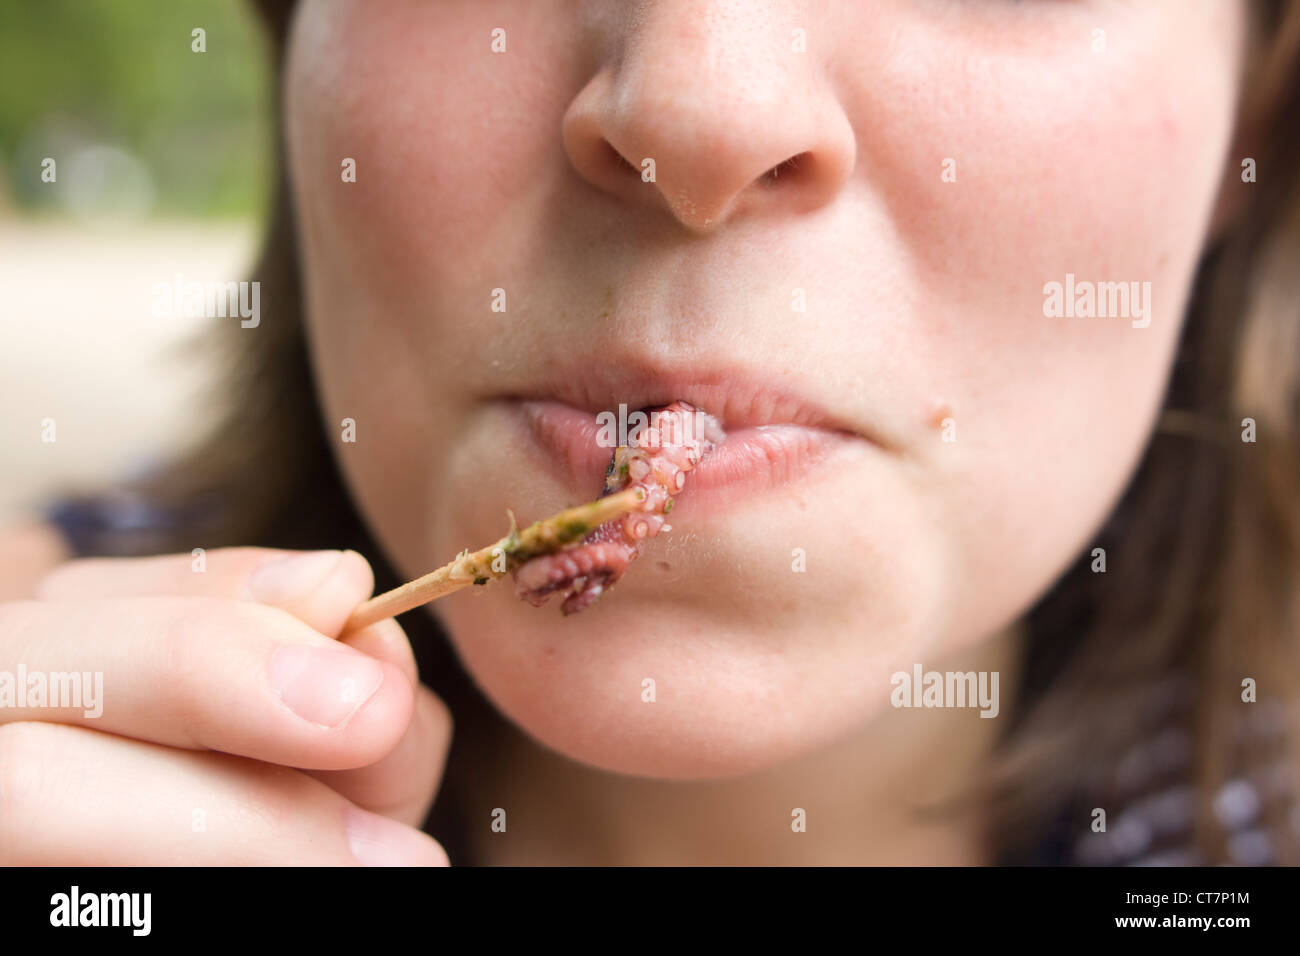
[752, 663]
[731, 695]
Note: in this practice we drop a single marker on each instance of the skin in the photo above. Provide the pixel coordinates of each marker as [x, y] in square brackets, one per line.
[927, 295]
[480, 170]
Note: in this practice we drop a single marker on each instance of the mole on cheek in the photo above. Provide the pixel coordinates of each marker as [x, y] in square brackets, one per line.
[939, 411]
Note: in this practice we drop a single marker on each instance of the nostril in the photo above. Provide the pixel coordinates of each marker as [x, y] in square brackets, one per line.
[783, 171]
[619, 160]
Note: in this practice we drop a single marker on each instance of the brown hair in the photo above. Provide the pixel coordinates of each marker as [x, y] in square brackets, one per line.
[1204, 546]
[1207, 535]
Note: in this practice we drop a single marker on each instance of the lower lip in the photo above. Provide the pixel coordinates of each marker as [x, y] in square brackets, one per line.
[749, 461]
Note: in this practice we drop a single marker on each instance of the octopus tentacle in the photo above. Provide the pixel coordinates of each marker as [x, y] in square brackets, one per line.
[657, 461]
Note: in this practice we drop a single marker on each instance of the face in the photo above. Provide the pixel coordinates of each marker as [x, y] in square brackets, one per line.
[846, 253]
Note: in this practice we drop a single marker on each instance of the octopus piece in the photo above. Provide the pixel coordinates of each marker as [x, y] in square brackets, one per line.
[656, 460]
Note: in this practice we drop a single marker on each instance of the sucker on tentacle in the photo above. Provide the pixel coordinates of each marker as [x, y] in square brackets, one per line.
[657, 460]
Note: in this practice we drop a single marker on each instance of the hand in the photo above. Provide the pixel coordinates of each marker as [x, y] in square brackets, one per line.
[235, 729]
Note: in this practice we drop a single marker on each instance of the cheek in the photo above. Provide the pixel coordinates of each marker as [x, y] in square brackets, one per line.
[1104, 165]
[447, 135]
[435, 123]
[1065, 159]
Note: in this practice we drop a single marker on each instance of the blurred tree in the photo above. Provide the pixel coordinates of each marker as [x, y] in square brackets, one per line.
[76, 73]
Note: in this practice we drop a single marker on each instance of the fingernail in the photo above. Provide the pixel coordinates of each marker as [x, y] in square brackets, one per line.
[324, 685]
[285, 579]
[379, 841]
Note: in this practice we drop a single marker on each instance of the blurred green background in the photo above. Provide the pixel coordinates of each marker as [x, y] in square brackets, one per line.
[163, 163]
[138, 124]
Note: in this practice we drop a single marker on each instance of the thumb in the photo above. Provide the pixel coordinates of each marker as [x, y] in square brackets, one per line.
[320, 588]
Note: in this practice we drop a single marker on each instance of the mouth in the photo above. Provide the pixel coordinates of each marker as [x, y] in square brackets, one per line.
[773, 438]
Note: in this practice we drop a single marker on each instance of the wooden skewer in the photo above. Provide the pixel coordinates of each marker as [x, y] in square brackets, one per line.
[498, 559]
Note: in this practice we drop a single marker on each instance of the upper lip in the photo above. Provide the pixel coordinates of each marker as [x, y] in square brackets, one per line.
[736, 396]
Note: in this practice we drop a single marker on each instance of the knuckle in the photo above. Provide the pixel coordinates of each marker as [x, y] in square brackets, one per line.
[185, 671]
[195, 633]
[201, 633]
[187, 632]
[197, 628]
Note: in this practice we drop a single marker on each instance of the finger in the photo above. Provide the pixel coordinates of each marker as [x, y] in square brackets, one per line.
[386, 641]
[320, 588]
[73, 796]
[403, 784]
[203, 673]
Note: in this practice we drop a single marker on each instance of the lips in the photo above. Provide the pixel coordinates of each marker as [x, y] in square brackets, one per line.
[753, 457]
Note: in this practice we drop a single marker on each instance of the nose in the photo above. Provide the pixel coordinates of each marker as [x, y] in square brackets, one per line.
[711, 110]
